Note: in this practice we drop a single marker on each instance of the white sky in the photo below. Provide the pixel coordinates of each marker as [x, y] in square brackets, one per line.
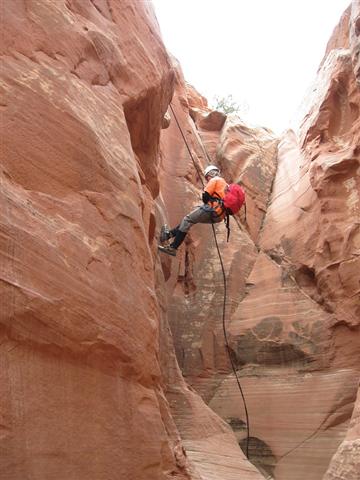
[263, 52]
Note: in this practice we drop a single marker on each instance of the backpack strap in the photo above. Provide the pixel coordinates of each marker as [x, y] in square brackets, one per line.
[217, 198]
[227, 214]
[227, 224]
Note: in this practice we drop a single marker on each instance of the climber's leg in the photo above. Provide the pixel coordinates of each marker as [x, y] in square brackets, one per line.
[166, 233]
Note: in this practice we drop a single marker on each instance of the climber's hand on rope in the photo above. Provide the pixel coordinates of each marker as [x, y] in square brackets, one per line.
[206, 197]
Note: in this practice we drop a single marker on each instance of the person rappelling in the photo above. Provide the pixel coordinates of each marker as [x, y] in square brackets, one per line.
[219, 201]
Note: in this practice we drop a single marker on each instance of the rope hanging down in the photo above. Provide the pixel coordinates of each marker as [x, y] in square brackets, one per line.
[225, 294]
[309, 437]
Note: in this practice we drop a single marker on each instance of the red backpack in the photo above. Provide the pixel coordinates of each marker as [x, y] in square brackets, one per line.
[234, 198]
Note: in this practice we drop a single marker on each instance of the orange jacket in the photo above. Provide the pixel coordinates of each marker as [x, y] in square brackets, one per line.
[216, 187]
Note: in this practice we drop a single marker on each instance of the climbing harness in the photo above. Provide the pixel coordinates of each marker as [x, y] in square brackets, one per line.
[225, 288]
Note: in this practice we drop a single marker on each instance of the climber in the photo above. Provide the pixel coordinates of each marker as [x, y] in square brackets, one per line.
[212, 211]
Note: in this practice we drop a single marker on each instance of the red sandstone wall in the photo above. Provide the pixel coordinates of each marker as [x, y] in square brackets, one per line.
[293, 273]
[81, 394]
[89, 383]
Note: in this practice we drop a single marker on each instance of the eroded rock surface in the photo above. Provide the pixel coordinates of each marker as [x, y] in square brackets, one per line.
[292, 270]
[345, 463]
[80, 383]
[83, 384]
[90, 384]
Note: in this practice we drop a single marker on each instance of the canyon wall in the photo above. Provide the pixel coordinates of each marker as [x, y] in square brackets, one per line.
[89, 384]
[292, 272]
[98, 331]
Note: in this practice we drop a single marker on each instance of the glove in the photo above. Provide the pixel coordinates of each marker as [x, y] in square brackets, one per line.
[206, 197]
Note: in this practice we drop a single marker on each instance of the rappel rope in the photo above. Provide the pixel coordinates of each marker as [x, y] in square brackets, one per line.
[225, 287]
[240, 228]
[225, 292]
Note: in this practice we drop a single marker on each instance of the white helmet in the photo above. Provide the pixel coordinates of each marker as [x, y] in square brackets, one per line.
[211, 168]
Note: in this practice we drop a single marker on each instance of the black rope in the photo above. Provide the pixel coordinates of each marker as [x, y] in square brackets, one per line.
[309, 437]
[225, 298]
[228, 347]
[197, 133]
[187, 146]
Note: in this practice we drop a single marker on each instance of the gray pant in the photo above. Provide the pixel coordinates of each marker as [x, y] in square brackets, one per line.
[202, 214]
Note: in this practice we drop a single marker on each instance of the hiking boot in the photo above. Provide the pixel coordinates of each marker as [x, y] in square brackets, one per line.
[169, 250]
[164, 234]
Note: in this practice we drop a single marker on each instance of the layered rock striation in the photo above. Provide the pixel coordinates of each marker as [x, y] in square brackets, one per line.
[90, 387]
[292, 272]
[80, 377]
[113, 360]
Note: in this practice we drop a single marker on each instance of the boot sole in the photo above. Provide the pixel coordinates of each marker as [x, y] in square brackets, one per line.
[165, 250]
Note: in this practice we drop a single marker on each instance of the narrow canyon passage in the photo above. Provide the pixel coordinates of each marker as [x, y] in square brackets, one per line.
[113, 362]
